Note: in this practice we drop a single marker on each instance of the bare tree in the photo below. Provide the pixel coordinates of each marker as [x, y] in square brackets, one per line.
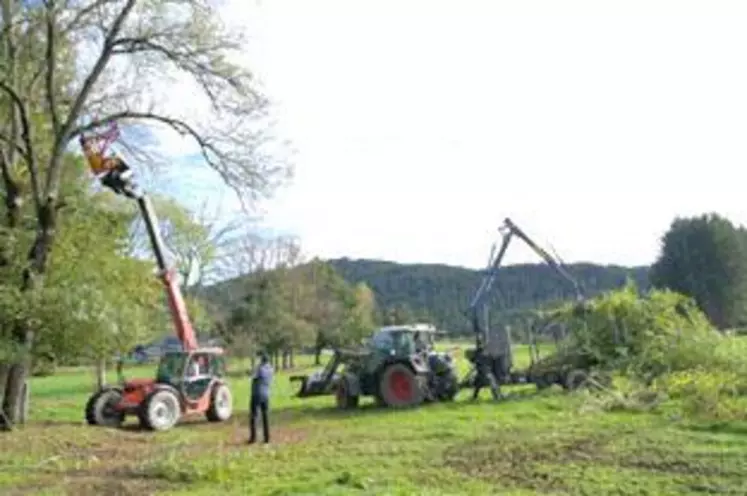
[125, 47]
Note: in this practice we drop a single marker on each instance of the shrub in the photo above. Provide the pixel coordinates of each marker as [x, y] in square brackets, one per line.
[643, 336]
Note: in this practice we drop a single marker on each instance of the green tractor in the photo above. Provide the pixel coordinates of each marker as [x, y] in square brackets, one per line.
[397, 367]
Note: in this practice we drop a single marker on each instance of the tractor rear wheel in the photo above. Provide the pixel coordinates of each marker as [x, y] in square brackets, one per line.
[221, 404]
[100, 409]
[344, 397]
[399, 387]
[160, 411]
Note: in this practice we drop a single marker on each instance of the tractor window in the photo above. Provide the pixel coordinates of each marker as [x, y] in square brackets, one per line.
[383, 341]
[171, 367]
[404, 343]
[217, 366]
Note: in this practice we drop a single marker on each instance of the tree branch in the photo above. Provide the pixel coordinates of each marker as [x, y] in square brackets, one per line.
[26, 135]
[13, 144]
[51, 63]
[64, 134]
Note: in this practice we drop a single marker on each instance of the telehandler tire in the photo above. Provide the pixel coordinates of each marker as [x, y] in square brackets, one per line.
[221, 404]
[160, 411]
[100, 411]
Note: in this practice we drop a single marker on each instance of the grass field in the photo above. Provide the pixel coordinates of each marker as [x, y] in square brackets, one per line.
[531, 444]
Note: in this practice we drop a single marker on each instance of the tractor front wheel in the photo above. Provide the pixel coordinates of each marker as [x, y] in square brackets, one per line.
[221, 404]
[399, 387]
[344, 397]
[100, 409]
[160, 410]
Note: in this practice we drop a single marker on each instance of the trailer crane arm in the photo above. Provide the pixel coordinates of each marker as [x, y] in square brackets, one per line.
[552, 262]
[508, 230]
[115, 174]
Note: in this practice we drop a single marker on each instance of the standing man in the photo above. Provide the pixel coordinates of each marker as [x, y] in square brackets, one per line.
[260, 402]
[485, 375]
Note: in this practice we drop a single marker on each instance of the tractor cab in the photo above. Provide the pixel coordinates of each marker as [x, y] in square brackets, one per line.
[403, 340]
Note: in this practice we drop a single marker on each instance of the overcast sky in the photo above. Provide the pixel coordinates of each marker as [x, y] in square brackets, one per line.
[420, 125]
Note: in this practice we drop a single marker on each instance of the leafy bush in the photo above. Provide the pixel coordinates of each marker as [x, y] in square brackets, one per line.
[664, 348]
[643, 336]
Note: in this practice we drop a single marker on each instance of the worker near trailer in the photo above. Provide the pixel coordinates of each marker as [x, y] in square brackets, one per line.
[260, 398]
[484, 370]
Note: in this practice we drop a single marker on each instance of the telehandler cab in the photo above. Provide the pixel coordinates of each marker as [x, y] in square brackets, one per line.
[187, 382]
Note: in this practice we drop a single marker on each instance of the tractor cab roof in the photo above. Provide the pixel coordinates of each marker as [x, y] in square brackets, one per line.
[413, 328]
[212, 350]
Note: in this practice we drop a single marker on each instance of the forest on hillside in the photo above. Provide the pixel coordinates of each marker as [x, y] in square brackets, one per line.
[441, 293]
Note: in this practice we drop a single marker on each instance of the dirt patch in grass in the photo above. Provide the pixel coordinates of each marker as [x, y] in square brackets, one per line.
[543, 461]
[521, 459]
[90, 461]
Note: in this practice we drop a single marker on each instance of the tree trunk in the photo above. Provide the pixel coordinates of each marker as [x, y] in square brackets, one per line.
[4, 371]
[317, 356]
[15, 402]
[100, 373]
[292, 357]
[285, 359]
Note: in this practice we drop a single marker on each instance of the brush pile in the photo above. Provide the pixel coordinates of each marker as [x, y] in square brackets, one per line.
[663, 347]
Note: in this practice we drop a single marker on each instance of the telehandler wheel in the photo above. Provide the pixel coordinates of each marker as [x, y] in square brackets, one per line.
[160, 411]
[221, 404]
[100, 408]
[344, 399]
[399, 387]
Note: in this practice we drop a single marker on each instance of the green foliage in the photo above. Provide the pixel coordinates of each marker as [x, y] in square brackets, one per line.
[643, 335]
[705, 257]
[307, 305]
[95, 301]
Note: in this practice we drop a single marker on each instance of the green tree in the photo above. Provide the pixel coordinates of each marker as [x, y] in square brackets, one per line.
[398, 315]
[360, 316]
[705, 258]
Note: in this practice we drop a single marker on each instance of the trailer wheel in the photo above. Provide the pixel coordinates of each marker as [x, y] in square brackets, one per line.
[449, 388]
[221, 404]
[399, 387]
[576, 379]
[542, 382]
[345, 400]
[100, 409]
[160, 411]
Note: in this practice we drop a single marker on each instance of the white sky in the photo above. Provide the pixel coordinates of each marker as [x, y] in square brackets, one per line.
[420, 125]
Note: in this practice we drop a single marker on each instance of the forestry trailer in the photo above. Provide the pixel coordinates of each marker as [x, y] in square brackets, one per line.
[189, 381]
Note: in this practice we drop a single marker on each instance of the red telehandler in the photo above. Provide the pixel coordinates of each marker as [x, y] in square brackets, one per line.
[190, 381]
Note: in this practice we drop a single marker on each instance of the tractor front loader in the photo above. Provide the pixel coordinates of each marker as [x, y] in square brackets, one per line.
[189, 381]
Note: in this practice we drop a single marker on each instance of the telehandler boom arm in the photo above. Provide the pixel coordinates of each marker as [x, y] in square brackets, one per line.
[114, 173]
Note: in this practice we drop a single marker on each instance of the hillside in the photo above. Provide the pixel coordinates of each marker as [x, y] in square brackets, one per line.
[440, 293]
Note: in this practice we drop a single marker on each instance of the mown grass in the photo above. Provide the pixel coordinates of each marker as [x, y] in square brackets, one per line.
[529, 444]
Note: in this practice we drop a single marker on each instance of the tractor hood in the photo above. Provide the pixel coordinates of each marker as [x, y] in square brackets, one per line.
[138, 383]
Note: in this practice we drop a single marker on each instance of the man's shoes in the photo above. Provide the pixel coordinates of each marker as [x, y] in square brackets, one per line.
[251, 441]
